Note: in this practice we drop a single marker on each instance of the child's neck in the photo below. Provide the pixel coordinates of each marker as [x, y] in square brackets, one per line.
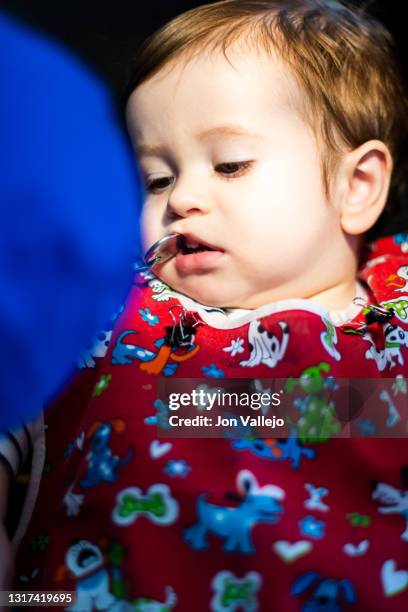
[338, 297]
[333, 299]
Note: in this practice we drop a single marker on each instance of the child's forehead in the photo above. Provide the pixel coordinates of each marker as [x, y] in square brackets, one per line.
[269, 64]
[231, 74]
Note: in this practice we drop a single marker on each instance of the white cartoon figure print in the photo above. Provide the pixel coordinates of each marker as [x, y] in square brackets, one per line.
[395, 339]
[265, 346]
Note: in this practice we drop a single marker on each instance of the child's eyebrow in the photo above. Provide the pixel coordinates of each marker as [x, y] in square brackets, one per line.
[229, 129]
[218, 130]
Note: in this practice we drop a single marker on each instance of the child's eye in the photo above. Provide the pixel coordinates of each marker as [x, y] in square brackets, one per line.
[233, 169]
[228, 169]
[159, 184]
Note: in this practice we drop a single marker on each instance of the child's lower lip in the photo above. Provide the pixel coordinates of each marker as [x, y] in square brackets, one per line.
[202, 260]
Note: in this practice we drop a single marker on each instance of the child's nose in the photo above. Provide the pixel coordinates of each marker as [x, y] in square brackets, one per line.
[187, 199]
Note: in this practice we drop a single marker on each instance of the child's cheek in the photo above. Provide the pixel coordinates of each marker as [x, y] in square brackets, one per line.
[148, 225]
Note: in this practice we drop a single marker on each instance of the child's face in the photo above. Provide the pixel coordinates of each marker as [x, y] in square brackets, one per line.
[229, 162]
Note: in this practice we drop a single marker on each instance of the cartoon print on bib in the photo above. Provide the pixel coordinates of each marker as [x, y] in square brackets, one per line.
[85, 561]
[399, 280]
[396, 338]
[399, 306]
[394, 500]
[329, 339]
[259, 504]
[157, 505]
[394, 581]
[103, 465]
[324, 593]
[356, 546]
[317, 421]
[144, 604]
[100, 584]
[265, 346]
[290, 552]
[276, 450]
[232, 593]
[316, 495]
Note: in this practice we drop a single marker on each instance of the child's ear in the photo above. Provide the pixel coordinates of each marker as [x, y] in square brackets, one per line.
[367, 174]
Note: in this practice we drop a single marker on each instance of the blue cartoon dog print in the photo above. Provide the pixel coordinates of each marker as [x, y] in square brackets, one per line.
[324, 594]
[234, 525]
[103, 465]
[276, 450]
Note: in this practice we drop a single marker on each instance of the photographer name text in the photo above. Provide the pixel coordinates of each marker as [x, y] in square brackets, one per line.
[205, 421]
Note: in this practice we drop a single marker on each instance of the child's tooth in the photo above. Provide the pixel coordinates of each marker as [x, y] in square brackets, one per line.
[193, 245]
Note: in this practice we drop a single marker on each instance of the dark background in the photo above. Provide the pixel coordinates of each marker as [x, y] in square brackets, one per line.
[105, 34]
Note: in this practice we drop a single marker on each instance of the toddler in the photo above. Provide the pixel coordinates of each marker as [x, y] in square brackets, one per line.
[269, 134]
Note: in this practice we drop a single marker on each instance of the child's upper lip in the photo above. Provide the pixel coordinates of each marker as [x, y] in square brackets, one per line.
[191, 238]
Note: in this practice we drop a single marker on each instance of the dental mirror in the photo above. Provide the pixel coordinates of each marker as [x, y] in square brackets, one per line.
[161, 251]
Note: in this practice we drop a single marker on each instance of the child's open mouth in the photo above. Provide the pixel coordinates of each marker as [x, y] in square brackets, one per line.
[195, 254]
[189, 245]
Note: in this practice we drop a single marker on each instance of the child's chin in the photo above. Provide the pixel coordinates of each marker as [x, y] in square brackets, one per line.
[206, 295]
[206, 291]
[204, 298]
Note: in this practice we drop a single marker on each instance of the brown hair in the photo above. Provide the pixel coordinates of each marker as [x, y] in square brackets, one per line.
[342, 58]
